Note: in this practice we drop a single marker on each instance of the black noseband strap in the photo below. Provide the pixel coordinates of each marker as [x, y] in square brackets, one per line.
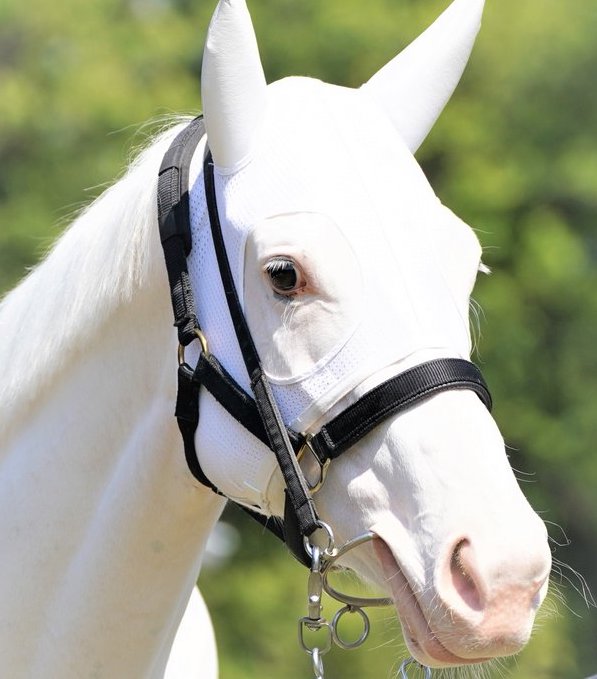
[389, 398]
[393, 396]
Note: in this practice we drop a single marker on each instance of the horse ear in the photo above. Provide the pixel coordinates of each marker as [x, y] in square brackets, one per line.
[416, 85]
[233, 87]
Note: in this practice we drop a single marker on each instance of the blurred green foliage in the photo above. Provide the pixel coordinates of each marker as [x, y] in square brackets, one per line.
[515, 155]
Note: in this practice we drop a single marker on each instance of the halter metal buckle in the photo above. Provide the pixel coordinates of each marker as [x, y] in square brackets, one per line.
[323, 468]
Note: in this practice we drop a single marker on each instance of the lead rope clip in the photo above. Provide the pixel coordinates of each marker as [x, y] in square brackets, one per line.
[314, 622]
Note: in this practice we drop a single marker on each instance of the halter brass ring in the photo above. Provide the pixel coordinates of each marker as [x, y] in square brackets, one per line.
[323, 468]
[202, 340]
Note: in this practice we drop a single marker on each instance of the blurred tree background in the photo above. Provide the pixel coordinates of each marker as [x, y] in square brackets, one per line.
[515, 155]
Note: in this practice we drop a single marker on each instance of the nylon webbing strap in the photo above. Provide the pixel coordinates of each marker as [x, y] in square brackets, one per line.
[175, 227]
[175, 235]
[187, 416]
[277, 435]
[214, 377]
[395, 395]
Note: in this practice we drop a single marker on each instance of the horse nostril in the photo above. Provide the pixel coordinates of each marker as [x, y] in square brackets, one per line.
[464, 578]
[488, 590]
[541, 586]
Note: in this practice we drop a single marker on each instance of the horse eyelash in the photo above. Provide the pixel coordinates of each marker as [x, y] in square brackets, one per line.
[277, 264]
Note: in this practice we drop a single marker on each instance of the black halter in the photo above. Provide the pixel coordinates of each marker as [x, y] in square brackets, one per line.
[260, 415]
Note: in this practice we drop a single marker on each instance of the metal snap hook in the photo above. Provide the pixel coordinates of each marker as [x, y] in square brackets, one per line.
[315, 587]
[412, 661]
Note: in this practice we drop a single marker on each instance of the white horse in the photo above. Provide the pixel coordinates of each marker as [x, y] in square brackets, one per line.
[102, 527]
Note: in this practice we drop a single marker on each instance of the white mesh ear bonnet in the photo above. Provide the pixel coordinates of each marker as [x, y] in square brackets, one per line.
[331, 151]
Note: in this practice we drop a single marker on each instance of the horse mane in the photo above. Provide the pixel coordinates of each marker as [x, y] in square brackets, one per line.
[107, 253]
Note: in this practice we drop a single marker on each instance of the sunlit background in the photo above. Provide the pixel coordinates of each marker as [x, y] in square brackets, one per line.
[515, 155]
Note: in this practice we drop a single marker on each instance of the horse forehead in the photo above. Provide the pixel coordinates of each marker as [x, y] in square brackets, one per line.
[327, 149]
[337, 130]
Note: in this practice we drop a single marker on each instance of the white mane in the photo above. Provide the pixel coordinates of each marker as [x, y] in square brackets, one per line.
[106, 254]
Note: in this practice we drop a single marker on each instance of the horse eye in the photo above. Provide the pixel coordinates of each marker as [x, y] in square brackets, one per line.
[284, 275]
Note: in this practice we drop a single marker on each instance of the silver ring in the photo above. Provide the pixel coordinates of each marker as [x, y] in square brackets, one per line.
[364, 634]
[330, 550]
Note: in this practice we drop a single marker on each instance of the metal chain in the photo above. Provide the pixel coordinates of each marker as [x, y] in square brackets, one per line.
[317, 664]
[412, 661]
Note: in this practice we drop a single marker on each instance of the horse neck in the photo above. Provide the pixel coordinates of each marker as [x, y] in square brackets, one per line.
[102, 528]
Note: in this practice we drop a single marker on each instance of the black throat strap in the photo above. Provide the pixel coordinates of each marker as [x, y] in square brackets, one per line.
[260, 415]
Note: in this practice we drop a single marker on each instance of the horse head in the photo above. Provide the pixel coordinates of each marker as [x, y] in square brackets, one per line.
[350, 270]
